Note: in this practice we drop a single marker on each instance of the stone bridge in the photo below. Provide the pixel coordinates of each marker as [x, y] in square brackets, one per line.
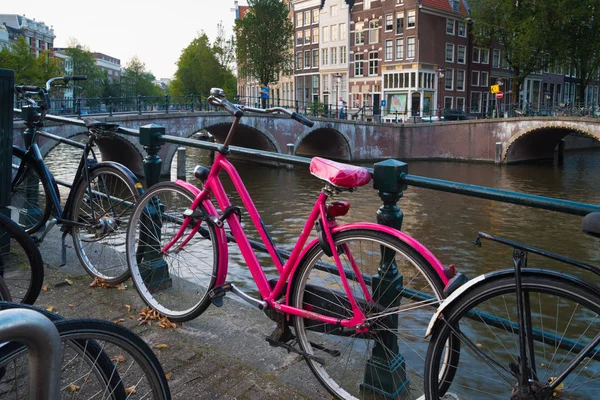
[487, 140]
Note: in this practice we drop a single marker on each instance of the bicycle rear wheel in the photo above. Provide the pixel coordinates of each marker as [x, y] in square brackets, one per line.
[564, 318]
[176, 284]
[29, 200]
[105, 207]
[388, 360]
[100, 360]
[21, 265]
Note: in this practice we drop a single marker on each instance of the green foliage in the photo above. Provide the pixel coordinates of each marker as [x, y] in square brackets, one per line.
[263, 38]
[137, 81]
[28, 69]
[199, 70]
[84, 63]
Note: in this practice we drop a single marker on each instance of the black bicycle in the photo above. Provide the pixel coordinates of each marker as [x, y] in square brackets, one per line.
[525, 333]
[101, 199]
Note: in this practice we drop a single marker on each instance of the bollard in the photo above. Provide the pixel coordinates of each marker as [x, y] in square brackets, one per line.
[181, 163]
[153, 267]
[386, 371]
[498, 155]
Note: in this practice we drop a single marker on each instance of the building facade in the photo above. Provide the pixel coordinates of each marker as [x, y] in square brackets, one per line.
[306, 51]
[39, 36]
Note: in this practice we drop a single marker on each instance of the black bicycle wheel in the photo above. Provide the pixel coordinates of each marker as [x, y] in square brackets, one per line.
[564, 318]
[30, 203]
[100, 360]
[388, 359]
[177, 283]
[104, 203]
[21, 265]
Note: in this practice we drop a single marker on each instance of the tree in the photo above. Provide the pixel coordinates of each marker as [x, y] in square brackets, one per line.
[224, 48]
[263, 39]
[19, 58]
[527, 31]
[579, 45]
[137, 81]
[199, 70]
[84, 63]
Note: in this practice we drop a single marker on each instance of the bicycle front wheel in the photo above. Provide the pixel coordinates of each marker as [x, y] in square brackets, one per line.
[388, 359]
[21, 265]
[103, 204]
[175, 283]
[564, 318]
[29, 203]
[100, 360]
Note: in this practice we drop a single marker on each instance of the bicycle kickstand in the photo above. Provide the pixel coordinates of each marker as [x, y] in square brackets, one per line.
[63, 255]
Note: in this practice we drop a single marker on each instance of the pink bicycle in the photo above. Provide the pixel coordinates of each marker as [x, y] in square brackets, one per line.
[358, 296]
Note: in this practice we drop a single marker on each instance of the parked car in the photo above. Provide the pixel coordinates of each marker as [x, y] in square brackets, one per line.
[455, 115]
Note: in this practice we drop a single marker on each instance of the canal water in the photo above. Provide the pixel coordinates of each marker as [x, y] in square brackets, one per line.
[446, 223]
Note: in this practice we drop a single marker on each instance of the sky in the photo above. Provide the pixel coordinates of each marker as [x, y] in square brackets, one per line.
[154, 31]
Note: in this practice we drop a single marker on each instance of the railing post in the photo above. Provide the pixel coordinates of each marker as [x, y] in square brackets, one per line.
[386, 370]
[153, 267]
[192, 103]
[181, 163]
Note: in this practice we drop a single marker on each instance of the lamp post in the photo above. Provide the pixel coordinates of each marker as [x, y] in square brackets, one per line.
[547, 97]
[440, 73]
[338, 78]
[499, 82]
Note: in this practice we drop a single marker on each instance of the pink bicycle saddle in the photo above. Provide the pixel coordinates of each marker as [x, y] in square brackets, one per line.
[339, 174]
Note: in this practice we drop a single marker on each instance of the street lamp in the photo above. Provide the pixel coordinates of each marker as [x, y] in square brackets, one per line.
[499, 82]
[547, 96]
[440, 73]
[338, 78]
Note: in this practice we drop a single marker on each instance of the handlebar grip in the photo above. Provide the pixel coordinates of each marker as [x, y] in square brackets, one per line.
[232, 108]
[26, 88]
[302, 119]
[77, 77]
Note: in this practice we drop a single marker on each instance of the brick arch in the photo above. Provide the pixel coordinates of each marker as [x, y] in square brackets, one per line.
[330, 143]
[539, 142]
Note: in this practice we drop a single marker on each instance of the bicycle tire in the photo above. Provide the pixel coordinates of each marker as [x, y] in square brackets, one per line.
[338, 357]
[175, 284]
[100, 246]
[29, 196]
[100, 360]
[551, 351]
[21, 264]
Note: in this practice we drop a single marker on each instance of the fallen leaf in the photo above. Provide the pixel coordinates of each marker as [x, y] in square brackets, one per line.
[120, 358]
[161, 346]
[45, 288]
[119, 321]
[89, 292]
[73, 387]
[128, 307]
[121, 287]
[70, 282]
[131, 317]
[50, 308]
[169, 375]
[130, 390]
[70, 305]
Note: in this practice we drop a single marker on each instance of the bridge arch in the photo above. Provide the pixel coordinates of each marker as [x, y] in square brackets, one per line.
[540, 142]
[324, 142]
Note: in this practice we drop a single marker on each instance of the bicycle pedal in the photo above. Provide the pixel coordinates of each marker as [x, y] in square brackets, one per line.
[217, 293]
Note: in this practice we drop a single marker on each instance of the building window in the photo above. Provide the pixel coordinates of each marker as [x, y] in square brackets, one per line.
[389, 22]
[474, 78]
[334, 33]
[358, 64]
[399, 49]
[359, 33]
[460, 103]
[449, 52]
[333, 55]
[343, 31]
[374, 31]
[412, 16]
[485, 56]
[399, 2]
[475, 102]
[399, 23]
[476, 54]
[461, 54]
[448, 103]
[315, 33]
[315, 16]
[388, 50]
[373, 63]
[450, 26]
[324, 58]
[455, 5]
[462, 30]
[460, 80]
[343, 59]
[496, 59]
[333, 10]
[315, 58]
[306, 59]
[410, 47]
[299, 60]
[325, 34]
[307, 37]
[298, 19]
[299, 38]
[366, 4]
[449, 79]
[484, 78]
[306, 18]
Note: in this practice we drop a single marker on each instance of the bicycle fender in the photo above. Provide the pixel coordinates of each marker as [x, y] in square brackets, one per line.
[123, 169]
[410, 241]
[472, 284]
[221, 237]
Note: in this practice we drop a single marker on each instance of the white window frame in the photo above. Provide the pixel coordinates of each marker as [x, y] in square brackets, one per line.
[389, 50]
[485, 56]
[462, 29]
[451, 102]
[452, 28]
[464, 53]
[496, 62]
[475, 78]
[343, 31]
[464, 75]
[400, 44]
[478, 105]
[412, 16]
[375, 61]
[449, 46]
[358, 62]
[449, 79]
[411, 42]
[463, 103]
[389, 18]
[484, 78]
[325, 34]
[325, 56]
